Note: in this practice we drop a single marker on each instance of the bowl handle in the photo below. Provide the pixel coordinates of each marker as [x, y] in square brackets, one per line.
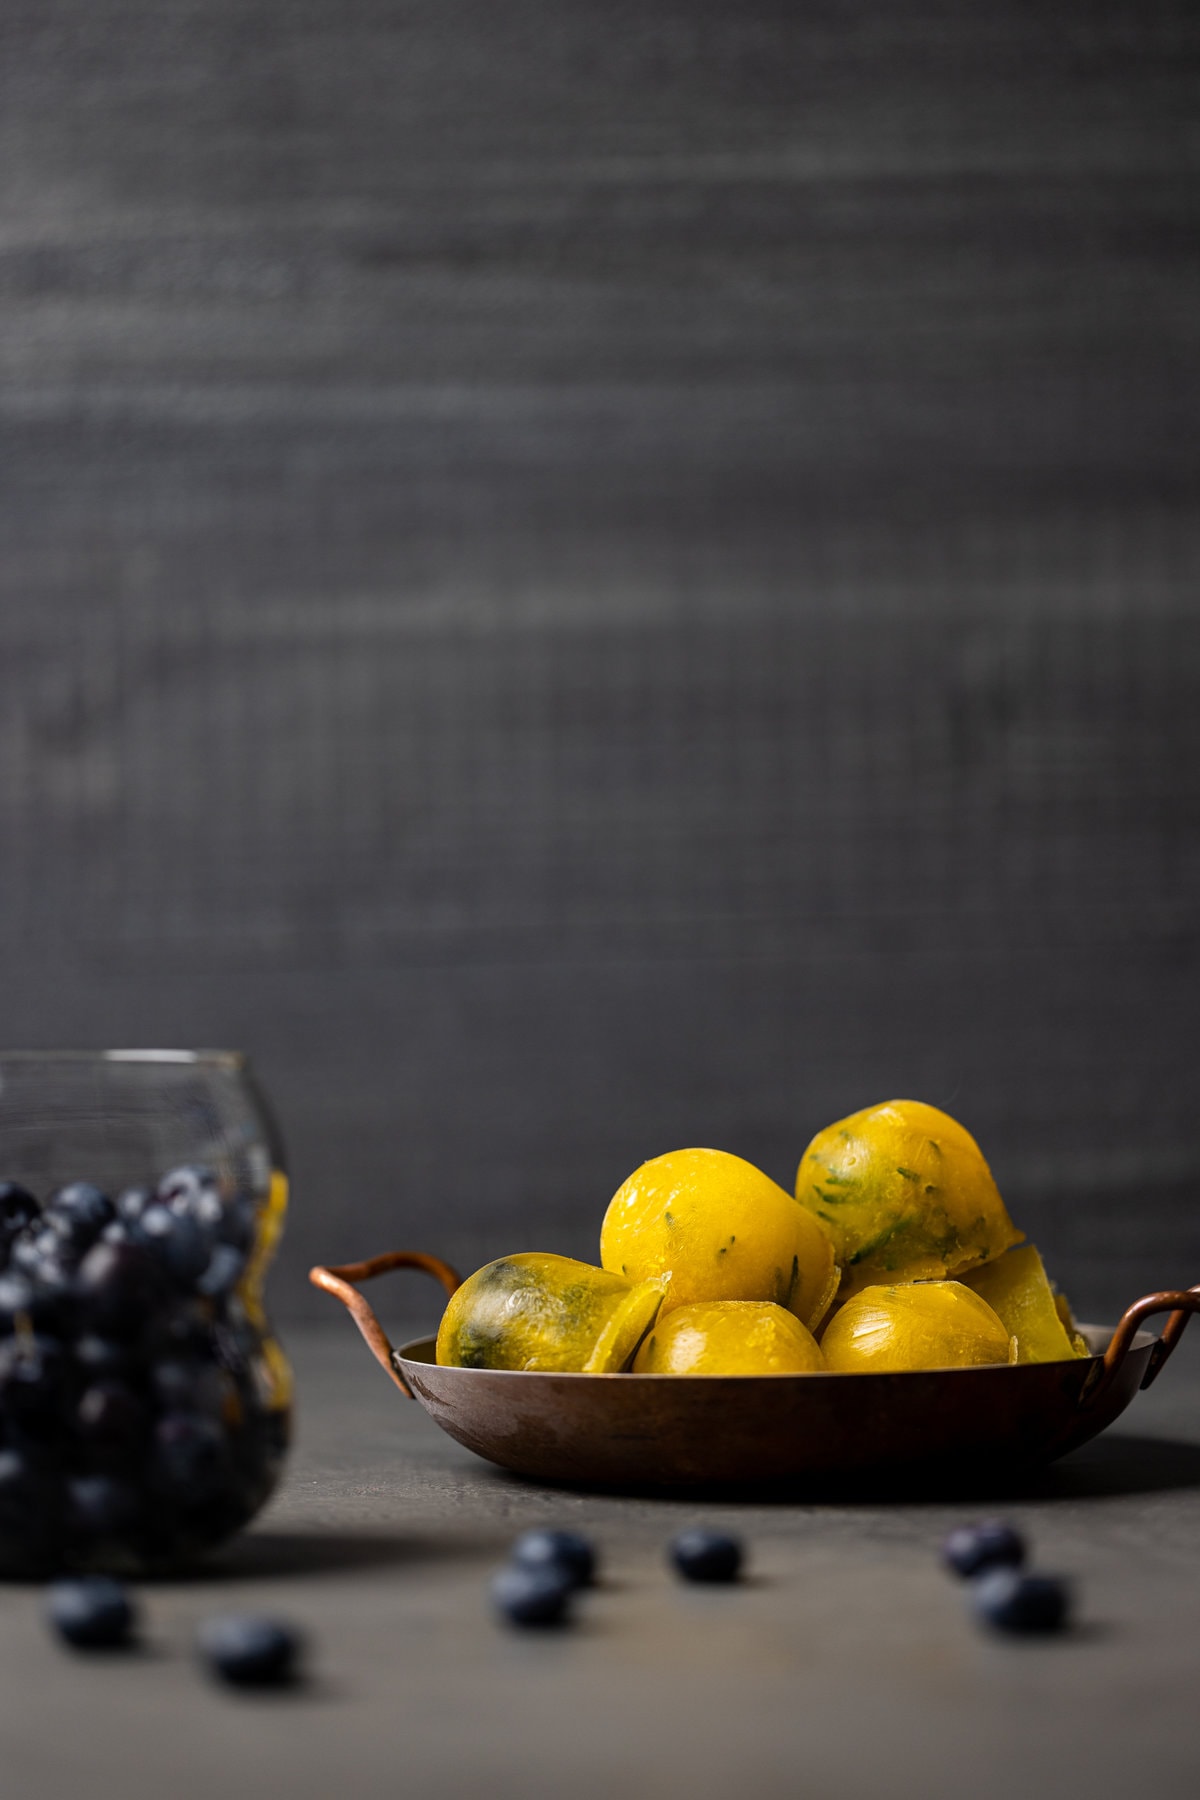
[1181, 1303]
[339, 1279]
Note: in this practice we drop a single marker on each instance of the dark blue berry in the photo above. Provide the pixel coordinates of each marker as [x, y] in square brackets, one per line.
[191, 1386]
[99, 1357]
[111, 1419]
[249, 1651]
[206, 1209]
[706, 1555]
[27, 1497]
[101, 1506]
[532, 1596]
[223, 1272]
[17, 1207]
[183, 1330]
[37, 1247]
[1008, 1600]
[238, 1222]
[16, 1299]
[79, 1212]
[119, 1287]
[191, 1455]
[132, 1202]
[186, 1187]
[38, 1287]
[992, 1544]
[176, 1240]
[92, 1613]
[565, 1550]
[33, 1375]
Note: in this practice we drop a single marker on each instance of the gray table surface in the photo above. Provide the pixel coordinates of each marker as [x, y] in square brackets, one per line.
[844, 1665]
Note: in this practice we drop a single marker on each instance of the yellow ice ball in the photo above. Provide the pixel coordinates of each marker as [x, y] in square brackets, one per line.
[538, 1311]
[918, 1325]
[729, 1337]
[711, 1226]
[903, 1191]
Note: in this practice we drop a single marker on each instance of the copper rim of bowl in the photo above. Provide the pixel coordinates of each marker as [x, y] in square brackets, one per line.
[1142, 1340]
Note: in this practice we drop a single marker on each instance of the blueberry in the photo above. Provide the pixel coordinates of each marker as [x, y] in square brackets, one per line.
[40, 1288]
[182, 1331]
[16, 1299]
[223, 1508]
[33, 1376]
[101, 1506]
[17, 1207]
[111, 1419]
[205, 1209]
[239, 1222]
[188, 1189]
[565, 1550]
[79, 1212]
[132, 1202]
[249, 1651]
[92, 1613]
[191, 1455]
[27, 1497]
[37, 1246]
[706, 1555]
[99, 1357]
[1008, 1600]
[223, 1272]
[191, 1386]
[972, 1549]
[119, 1288]
[176, 1240]
[532, 1596]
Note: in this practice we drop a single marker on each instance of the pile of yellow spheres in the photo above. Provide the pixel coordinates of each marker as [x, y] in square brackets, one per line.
[895, 1252]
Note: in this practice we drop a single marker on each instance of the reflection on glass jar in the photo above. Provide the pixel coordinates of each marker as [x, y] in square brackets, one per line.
[144, 1401]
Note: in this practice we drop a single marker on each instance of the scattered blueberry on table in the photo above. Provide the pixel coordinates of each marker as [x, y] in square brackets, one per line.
[523, 1595]
[700, 1555]
[91, 1612]
[246, 1650]
[971, 1549]
[1009, 1600]
[566, 1550]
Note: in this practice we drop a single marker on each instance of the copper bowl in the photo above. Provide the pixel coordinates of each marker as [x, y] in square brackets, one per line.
[672, 1432]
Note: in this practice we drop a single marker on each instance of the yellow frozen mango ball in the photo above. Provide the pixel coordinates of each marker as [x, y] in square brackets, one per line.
[537, 1311]
[918, 1325]
[711, 1226]
[729, 1337]
[904, 1192]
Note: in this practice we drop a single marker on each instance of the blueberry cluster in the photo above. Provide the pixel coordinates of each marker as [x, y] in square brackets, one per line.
[1004, 1595]
[546, 1569]
[138, 1423]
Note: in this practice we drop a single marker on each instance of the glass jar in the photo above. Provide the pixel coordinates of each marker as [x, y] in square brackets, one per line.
[144, 1401]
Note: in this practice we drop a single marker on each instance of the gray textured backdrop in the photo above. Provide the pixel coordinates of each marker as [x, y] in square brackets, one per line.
[583, 577]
